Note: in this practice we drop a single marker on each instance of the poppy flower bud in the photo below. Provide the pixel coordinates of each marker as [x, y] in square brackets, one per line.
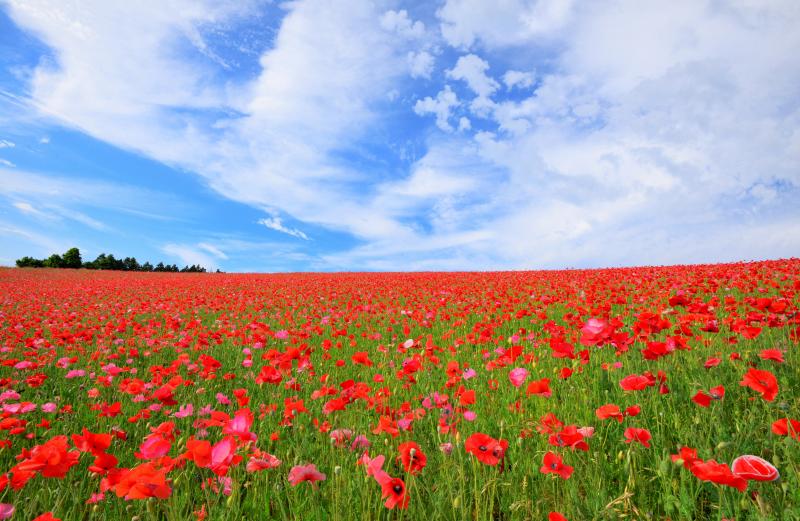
[337, 470]
[722, 445]
[457, 502]
[620, 456]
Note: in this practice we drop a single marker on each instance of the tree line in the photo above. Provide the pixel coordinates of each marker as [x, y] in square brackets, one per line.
[72, 259]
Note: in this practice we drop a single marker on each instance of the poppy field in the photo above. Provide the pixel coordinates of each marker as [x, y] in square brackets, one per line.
[630, 393]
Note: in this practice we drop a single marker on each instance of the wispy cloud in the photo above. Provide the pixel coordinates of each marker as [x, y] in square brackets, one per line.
[275, 223]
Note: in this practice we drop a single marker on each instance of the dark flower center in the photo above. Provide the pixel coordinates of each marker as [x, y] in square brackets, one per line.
[482, 448]
[397, 489]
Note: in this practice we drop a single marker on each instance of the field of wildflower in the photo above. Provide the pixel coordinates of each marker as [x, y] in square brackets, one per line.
[633, 393]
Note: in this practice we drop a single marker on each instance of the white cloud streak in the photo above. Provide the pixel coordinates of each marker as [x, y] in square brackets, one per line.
[275, 223]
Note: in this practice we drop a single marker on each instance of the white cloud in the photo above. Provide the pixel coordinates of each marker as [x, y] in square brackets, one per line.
[445, 100]
[275, 223]
[399, 22]
[213, 250]
[518, 79]
[501, 23]
[26, 208]
[472, 69]
[6, 162]
[4, 143]
[420, 64]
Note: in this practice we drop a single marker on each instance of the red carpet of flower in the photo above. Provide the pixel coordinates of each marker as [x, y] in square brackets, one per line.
[580, 394]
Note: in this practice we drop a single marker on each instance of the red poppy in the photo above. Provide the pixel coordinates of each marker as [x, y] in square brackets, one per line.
[763, 382]
[635, 382]
[609, 411]
[640, 435]
[394, 490]
[143, 482]
[90, 442]
[717, 473]
[466, 398]
[51, 459]
[198, 451]
[633, 410]
[540, 387]
[553, 464]
[686, 455]
[754, 468]
[772, 354]
[488, 450]
[704, 400]
[388, 425]
[787, 427]
[47, 516]
[556, 516]
[411, 457]
[570, 436]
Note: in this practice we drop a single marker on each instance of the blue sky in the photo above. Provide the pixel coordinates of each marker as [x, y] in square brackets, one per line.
[385, 135]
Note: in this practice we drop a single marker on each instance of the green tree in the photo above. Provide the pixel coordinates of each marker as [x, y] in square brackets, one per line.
[130, 264]
[29, 262]
[54, 261]
[72, 258]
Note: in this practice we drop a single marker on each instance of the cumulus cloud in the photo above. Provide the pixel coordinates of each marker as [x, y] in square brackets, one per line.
[472, 69]
[518, 79]
[441, 106]
[420, 64]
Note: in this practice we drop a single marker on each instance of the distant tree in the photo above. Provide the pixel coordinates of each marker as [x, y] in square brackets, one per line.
[29, 262]
[130, 264]
[72, 258]
[100, 262]
[54, 261]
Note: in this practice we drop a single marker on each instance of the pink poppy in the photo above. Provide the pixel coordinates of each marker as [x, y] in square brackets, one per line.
[517, 376]
[300, 473]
